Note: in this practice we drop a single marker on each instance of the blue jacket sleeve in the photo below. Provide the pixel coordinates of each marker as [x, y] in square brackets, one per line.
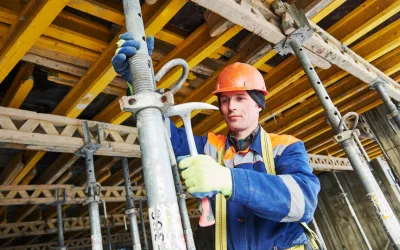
[289, 196]
[180, 144]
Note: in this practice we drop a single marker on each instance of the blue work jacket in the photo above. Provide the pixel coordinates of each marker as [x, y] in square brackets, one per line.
[264, 211]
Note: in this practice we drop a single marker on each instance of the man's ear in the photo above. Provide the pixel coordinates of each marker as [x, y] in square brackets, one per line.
[259, 108]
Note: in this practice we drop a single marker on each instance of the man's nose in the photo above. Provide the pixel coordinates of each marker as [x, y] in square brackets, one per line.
[232, 105]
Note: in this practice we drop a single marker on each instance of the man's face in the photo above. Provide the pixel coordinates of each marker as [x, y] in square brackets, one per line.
[239, 110]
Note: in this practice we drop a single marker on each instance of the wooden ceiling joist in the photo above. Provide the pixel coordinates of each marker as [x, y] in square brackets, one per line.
[20, 87]
[34, 19]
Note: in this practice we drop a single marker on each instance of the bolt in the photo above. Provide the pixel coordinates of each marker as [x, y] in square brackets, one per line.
[132, 101]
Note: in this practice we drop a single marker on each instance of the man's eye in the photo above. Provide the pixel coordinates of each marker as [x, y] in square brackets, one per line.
[224, 100]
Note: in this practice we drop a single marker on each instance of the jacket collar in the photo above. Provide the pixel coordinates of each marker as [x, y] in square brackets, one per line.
[255, 145]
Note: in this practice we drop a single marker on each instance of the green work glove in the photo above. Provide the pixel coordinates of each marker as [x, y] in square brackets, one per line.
[205, 177]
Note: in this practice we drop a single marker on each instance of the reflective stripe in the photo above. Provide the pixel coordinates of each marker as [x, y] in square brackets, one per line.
[277, 151]
[297, 203]
[243, 158]
[211, 150]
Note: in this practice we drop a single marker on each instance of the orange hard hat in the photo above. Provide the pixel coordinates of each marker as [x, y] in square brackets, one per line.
[240, 76]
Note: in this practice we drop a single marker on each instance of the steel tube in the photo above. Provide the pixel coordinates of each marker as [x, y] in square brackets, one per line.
[319, 234]
[164, 217]
[60, 228]
[187, 228]
[393, 111]
[374, 193]
[353, 213]
[146, 246]
[133, 225]
[94, 214]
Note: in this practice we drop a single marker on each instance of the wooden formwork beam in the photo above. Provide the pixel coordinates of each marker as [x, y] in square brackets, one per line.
[69, 194]
[24, 229]
[20, 87]
[34, 19]
[62, 134]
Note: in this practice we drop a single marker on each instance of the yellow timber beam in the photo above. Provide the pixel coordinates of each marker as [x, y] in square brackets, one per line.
[389, 64]
[20, 87]
[84, 92]
[34, 20]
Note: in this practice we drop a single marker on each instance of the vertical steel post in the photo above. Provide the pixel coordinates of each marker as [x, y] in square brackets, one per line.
[353, 153]
[106, 225]
[94, 214]
[393, 111]
[146, 246]
[164, 217]
[187, 228]
[353, 214]
[130, 206]
[60, 228]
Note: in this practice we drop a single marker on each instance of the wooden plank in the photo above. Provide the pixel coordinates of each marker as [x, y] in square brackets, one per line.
[34, 19]
[20, 87]
[57, 168]
[35, 141]
[7, 123]
[12, 169]
[49, 128]
[29, 126]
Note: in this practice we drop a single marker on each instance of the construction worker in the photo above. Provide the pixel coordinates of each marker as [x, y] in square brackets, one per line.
[260, 184]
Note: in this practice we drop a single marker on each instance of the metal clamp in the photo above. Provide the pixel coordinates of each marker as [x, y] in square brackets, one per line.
[93, 196]
[346, 135]
[89, 145]
[131, 211]
[182, 196]
[137, 102]
[58, 201]
[301, 34]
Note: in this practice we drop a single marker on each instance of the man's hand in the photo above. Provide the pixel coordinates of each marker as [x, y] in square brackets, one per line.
[128, 47]
[205, 177]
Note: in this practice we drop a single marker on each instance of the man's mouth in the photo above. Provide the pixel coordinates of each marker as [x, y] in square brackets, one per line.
[234, 116]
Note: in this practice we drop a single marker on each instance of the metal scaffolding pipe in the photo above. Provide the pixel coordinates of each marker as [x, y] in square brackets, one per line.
[146, 246]
[353, 213]
[164, 217]
[187, 228]
[106, 225]
[94, 214]
[60, 228]
[130, 206]
[393, 111]
[353, 153]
